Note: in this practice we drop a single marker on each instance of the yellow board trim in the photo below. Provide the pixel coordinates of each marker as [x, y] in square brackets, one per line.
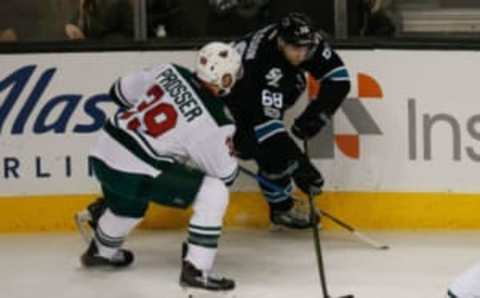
[359, 209]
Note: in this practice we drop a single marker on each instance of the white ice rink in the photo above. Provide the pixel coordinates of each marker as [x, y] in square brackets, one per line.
[265, 264]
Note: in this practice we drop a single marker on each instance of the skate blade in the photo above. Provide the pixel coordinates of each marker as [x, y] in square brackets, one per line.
[81, 220]
[203, 293]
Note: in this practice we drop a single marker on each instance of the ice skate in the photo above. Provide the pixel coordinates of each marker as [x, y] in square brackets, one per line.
[197, 283]
[297, 217]
[91, 258]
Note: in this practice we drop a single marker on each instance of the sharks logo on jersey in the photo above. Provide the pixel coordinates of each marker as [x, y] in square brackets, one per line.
[274, 76]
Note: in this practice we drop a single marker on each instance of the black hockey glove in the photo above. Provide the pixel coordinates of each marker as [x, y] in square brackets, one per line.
[307, 126]
[308, 178]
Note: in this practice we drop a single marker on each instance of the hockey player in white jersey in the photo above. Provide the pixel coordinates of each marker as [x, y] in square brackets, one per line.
[171, 116]
[467, 285]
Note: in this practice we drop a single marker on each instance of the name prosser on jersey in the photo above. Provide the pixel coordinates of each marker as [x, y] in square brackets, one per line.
[186, 102]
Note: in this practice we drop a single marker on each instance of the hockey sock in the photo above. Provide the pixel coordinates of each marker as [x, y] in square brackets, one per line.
[112, 231]
[206, 223]
[202, 246]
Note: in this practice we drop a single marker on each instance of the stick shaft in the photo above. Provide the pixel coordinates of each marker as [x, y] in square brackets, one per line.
[316, 238]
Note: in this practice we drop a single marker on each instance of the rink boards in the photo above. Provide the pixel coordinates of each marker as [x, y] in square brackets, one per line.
[402, 153]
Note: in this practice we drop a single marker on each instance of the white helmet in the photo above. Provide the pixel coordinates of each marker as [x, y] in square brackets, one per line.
[219, 64]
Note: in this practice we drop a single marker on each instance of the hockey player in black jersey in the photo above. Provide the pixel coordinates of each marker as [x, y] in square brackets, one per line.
[276, 59]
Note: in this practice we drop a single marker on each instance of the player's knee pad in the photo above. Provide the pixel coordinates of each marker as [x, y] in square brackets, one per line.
[211, 202]
[278, 164]
[128, 208]
[122, 205]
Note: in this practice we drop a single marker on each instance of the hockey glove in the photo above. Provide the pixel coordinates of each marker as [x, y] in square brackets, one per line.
[308, 178]
[305, 127]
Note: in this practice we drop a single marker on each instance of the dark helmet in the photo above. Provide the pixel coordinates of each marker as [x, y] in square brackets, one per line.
[297, 28]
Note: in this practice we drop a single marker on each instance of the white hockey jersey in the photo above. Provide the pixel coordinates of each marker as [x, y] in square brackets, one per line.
[171, 118]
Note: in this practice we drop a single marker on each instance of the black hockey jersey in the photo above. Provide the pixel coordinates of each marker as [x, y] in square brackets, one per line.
[270, 85]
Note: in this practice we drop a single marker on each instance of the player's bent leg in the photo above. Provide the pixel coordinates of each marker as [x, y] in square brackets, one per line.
[113, 218]
[204, 232]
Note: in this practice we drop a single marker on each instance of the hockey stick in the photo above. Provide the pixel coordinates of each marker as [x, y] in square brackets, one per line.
[314, 226]
[316, 237]
[361, 236]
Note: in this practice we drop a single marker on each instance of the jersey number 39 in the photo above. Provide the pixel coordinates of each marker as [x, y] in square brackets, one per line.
[152, 115]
